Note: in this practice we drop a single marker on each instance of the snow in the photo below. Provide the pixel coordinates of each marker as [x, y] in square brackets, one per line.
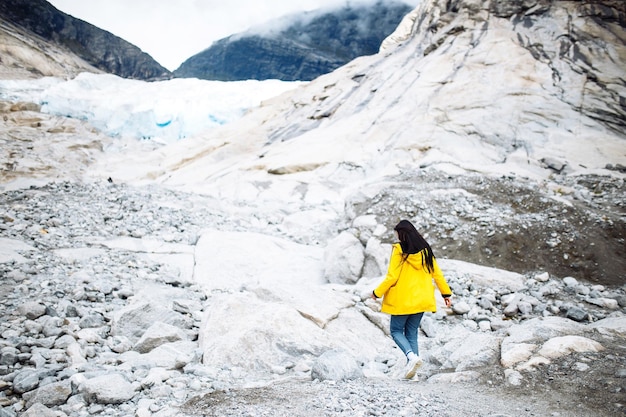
[163, 111]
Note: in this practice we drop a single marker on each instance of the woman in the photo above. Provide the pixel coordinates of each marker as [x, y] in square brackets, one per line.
[408, 290]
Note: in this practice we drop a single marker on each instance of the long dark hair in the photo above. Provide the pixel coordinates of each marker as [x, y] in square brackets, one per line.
[412, 242]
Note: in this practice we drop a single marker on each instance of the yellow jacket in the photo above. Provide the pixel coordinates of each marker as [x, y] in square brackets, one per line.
[408, 287]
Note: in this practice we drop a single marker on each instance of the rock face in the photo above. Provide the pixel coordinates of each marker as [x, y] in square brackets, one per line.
[499, 89]
[298, 47]
[97, 47]
[25, 56]
[580, 54]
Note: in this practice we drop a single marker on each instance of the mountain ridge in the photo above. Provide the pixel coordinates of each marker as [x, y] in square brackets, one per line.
[97, 47]
[26, 55]
[298, 47]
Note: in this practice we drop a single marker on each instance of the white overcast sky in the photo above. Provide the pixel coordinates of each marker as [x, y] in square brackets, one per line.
[172, 31]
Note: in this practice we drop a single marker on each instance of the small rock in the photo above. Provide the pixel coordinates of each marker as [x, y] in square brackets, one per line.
[577, 314]
[157, 335]
[40, 410]
[510, 310]
[25, 381]
[460, 308]
[513, 377]
[581, 367]
[621, 300]
[470, 324]
[525, 307]
[32, 310]
[485, 304]
[119, 344]
[91, 321]
[64, 341]
[51, 394]
[76, 354]
[484, 325]
[9, 356]
[570, 282]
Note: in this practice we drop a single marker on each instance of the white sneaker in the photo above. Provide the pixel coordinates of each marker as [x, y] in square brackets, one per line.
[414, 364]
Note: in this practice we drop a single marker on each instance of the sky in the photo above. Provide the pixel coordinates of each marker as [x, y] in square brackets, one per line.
[172, 31]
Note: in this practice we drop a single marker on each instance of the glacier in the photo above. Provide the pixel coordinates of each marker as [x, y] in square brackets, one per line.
[162, 111]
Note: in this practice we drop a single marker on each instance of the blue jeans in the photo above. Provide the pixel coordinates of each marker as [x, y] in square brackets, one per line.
[404, 330]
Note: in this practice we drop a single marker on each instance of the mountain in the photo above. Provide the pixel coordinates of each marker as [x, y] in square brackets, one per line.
[56, 30]
[298, 47]
[472, 90]
[26, 55]
[517, 108]
[231, 272]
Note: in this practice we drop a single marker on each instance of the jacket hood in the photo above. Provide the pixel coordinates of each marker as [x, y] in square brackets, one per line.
[414, 259]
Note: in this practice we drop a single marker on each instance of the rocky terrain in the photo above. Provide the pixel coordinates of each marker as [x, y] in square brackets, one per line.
[571, 225]
[229, 274]
[96, 321]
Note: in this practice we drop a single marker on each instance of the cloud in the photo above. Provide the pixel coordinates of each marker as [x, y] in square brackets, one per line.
[172, 31]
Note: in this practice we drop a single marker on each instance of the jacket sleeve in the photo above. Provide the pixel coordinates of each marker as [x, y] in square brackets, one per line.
[393, 272]
[440, 281]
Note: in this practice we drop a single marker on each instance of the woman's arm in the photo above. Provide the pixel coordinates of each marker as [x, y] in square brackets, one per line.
[393, 272]
[442, 284]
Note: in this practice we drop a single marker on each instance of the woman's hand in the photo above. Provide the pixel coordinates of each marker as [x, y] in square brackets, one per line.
[448, 301]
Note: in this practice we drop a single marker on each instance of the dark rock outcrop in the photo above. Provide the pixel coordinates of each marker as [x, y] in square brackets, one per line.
[98, 47]
[298, 47]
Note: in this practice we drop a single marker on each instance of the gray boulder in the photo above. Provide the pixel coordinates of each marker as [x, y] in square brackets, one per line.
[335, 365]
[25, 381]
[108, 389]
[376, 258]
[134, 320]
[40, 410]
[343, 259]
[157, 335]
[55, 393]
[32, 310]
